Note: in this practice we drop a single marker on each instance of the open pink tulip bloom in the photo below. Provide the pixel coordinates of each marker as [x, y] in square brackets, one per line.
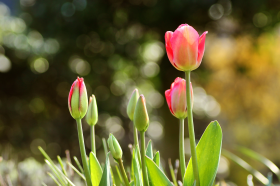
[176, 98]
[185, 48]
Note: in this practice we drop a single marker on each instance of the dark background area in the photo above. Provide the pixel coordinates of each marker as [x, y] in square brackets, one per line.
[118, 45]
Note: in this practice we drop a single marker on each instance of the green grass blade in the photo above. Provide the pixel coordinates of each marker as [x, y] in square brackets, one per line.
[61, 165]
[77, 171]
[78, 164]
[136, 168]
[54, 179]
[58, 176]
[44, 184]
[56, 169]
[119, 175]
[269, 177]
[172, 172]
[259, 176]
[260, 158]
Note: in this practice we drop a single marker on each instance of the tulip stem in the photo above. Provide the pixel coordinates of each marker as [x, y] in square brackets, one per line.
[136, 143]
[144, 169]
[181, 149]
[191, 128]
[83, 152]
[123, 172]
[92, 139]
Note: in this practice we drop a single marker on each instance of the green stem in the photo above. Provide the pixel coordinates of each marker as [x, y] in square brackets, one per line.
[123, 172]
[92, 139]
[181, 149]
[191, 128]
[83, 151]
[136, 143]
[144, 169]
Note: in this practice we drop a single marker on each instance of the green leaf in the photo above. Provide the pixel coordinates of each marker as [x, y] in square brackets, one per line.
[157, 159]
[77, 171]
[259, 176]
[208, 155]
[136, 169]
[95, 169]
[105, 179]
[156, 176]
[149, 150]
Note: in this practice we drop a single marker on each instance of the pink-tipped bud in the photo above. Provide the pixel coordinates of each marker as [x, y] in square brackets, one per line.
[78, 100]
[141, 117]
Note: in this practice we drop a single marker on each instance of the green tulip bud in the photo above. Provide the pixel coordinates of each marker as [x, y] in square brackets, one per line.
[141, 117]
[92, 113]
[78, 100]
[115, 147]
[132, 104]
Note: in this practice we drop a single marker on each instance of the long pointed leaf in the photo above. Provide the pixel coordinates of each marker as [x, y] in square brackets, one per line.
[156, 176]
[149, 150]
[208, 155]
[105, 179]
[262, 159]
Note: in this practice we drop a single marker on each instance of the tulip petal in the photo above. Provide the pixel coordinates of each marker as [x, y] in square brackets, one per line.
[178, 98]
[201, 47]
[184, 44]
[168, 36]
[168, 99]
[182, 25]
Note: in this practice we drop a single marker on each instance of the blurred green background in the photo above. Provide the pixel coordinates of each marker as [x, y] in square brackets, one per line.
[117, 45]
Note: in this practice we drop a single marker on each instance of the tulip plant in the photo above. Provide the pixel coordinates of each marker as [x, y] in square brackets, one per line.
[185, 49]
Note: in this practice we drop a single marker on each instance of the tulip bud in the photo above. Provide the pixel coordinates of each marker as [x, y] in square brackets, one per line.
[77, 100]
[185, 48]
[132, 104]
[114, 147]
[141, 117]
[176, 98]
[92, 113]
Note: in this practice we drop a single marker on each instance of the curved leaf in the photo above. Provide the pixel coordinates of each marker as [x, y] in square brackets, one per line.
[208, 155]
[95, 169]
[156, 176]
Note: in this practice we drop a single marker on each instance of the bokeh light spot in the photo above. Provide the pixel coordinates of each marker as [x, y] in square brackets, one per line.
[37, 105]
[68, 9]
[155, 130]
[216, 11]
[150, 69]
[5, 64]
[35, 144]
[260, 20]
[40, 65]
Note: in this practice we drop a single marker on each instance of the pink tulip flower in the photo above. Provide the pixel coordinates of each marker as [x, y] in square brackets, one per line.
[185, 48]
[176, 98]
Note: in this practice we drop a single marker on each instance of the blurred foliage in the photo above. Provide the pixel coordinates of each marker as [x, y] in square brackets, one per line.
[117, 45]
